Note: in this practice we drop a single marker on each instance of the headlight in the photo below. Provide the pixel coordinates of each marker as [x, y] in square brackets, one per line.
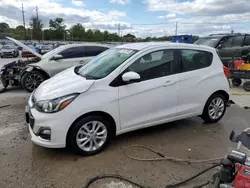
[55, 105]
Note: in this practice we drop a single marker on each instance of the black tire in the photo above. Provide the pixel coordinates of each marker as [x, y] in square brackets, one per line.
[236, 82]
[205, 115]
[246, 86]
[73, 134]
[25, 80]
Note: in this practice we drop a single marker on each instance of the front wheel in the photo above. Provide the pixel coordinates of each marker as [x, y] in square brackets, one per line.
[31, 80]
[214, 109]
[90, 135]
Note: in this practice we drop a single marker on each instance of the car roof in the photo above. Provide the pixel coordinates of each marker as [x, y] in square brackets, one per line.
[146, 45]
[224, 35]
[85, 44]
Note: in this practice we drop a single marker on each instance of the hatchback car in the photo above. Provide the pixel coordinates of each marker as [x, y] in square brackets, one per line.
[228, 46]
[125, 88]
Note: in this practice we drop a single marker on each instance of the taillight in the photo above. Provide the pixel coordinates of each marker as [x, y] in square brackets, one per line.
[226, 72]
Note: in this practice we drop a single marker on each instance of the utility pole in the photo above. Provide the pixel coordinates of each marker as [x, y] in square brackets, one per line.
[176, 28]
[23, 22]
[36, 12]
[119, 29]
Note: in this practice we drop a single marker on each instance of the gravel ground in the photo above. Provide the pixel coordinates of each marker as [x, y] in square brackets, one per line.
[23, 164]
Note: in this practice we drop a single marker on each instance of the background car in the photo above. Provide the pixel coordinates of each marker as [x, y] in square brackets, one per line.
[43, 49]
[28, 53]
[9, 51]
[128, 87]
[228, 45]
[55, 61]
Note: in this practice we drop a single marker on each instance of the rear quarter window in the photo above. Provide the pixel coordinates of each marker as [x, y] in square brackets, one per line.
[195, 59]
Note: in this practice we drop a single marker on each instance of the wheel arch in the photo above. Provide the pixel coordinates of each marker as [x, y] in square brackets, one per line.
[222, 92]
[105, 115]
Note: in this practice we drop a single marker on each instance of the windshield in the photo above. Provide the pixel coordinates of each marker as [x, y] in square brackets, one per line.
[55, 51]
[8, 47]
[103, 64]
[207, 41]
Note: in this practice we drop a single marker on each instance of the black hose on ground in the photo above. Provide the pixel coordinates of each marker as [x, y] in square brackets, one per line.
[113, 176]
[193, 177]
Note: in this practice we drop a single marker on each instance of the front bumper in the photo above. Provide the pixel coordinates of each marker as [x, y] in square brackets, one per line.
[38, 121]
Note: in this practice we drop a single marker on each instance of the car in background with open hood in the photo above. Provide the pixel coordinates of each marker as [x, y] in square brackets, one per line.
[55, 61]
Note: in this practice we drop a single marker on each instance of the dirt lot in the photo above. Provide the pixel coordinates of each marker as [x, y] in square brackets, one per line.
[23, 164]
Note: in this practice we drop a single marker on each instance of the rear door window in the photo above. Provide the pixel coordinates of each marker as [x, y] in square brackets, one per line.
[195, 59]
[74, 52]
[247, 41]
[94, 50]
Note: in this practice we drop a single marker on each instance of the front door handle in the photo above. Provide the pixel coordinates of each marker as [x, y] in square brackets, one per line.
[169, 82]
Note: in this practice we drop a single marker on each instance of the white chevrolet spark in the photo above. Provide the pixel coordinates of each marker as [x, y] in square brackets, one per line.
[129, 87]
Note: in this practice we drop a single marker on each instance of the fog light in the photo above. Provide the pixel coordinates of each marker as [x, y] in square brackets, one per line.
[45, 134]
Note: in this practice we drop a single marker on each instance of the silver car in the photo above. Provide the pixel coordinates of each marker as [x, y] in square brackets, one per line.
[9, 51]
[57, 60]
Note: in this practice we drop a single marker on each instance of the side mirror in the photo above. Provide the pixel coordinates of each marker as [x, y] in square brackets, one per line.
[57, 57]
[219, 46]
[130, 77]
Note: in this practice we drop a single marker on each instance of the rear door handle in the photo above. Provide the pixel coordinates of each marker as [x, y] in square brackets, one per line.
[169, 82]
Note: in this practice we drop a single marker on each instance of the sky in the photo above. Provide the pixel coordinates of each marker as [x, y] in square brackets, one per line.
[143, 18]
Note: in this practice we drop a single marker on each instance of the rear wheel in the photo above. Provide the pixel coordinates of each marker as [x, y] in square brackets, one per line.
[214, 109]
[31, 80]
[236, 82]
[246, 86]
[90, 135]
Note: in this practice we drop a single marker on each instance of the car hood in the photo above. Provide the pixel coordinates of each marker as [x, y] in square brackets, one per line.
[8, 50]
[62, 84]
[25, 47]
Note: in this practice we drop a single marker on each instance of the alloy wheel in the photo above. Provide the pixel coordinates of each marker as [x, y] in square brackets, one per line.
[91, 136]
[216, 108]
[33, 81]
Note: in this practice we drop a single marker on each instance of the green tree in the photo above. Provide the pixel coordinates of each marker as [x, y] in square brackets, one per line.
[97, 35]
[4, 27]
[106, 36]
[129, 38]
[18, 32]
[77, 32]
[57, 27]
[36, 27]
[89, 35]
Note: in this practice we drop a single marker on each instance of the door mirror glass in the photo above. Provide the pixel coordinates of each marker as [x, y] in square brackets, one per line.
[57, 57]
[131, 77]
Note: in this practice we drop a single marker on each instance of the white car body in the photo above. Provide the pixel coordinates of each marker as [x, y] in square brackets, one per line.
[131, 106]
[51, 67]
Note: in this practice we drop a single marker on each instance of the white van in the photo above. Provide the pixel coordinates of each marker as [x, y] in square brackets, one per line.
[129, 87]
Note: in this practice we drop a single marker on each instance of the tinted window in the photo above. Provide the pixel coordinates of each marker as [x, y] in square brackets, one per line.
[238, 40]
[247, 41]
[94, 50]
[74, 52]
[154, 65]
[230, 42]
[195, 59]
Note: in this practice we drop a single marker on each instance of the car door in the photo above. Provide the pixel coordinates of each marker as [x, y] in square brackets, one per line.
[70, 57]
[195, 74]
[230, 47]
[153, 99]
